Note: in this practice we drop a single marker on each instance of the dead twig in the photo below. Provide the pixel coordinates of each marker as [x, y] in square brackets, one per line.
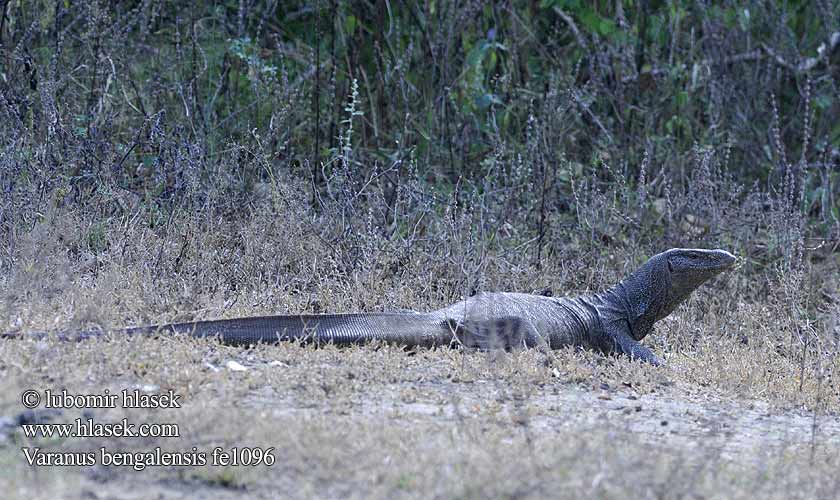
[805, 65]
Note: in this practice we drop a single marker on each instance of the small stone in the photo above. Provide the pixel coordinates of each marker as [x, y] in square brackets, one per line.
[235, 367]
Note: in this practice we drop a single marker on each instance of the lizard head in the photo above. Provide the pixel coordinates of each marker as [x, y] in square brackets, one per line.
[666, 280]
[688, 268]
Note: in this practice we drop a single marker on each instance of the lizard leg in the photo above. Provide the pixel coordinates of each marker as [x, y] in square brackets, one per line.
[624, 344]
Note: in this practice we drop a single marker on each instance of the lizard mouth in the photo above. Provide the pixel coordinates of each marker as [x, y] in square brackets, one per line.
[700, 261]
[725, 260]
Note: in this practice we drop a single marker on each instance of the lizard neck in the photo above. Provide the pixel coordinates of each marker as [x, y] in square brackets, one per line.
[618, 309]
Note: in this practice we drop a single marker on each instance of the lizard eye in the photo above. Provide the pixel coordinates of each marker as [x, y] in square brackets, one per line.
[670, 267]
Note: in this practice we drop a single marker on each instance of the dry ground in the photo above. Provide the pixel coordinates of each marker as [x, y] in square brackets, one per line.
[378, 422]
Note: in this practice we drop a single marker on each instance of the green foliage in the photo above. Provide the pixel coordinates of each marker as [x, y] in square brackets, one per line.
[246, 51]
[173, 104]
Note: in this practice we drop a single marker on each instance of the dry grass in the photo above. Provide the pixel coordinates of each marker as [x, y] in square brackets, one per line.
[735, 413]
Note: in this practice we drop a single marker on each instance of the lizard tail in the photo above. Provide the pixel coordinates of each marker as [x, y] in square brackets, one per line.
[408, 329]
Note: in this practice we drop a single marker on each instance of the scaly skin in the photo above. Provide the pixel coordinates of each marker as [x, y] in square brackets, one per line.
[613, 321]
